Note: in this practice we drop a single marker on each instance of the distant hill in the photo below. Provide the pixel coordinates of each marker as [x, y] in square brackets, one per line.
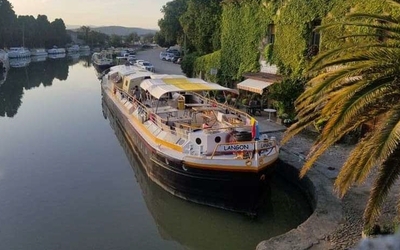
[116, 30]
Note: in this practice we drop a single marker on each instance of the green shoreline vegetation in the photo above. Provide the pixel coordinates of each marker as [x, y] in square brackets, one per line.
[356, 89]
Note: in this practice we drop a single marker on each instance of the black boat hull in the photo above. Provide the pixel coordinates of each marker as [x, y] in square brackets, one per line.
[236, 191]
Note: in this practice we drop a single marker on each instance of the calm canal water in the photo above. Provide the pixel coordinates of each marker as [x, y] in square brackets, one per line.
[69, 179]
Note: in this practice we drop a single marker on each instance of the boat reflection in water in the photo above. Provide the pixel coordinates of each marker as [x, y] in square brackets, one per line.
[196, 226]
[20, 62]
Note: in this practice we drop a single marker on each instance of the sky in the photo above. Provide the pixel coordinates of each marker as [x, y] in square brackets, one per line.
[127, 13]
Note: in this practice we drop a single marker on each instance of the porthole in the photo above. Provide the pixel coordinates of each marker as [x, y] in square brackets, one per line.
[217, 139]
[198, 141]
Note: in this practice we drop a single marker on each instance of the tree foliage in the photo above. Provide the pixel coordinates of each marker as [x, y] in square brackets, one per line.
[92, 37]
[353, 83]
[28, 30]
[202, 25]
[7, 22]
[170, 27]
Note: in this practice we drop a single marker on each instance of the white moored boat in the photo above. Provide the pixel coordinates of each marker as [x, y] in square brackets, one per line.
[38, 52]
[18, 52]
[102, 60]
[192, 146]
[84, 48]
[56, 50]
[73, 49]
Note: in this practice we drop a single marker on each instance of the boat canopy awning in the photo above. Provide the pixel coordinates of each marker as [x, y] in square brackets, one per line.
[161, 86]
[253, 85]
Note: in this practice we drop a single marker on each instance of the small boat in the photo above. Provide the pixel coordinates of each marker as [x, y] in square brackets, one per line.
[38, 52]
[73, 49]
[192, 146]
[84, 48]
[56, 50]
[18, 52]
[102, 60]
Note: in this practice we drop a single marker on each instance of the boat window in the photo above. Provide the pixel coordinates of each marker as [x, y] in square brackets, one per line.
[218, 139]
[198, 141]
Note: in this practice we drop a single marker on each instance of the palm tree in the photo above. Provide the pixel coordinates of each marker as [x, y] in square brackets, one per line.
[350, 85]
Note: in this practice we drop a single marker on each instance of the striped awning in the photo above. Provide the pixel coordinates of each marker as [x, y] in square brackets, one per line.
[253, 85]
[159, 87]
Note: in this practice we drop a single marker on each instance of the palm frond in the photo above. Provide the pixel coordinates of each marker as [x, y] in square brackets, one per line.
[389, 172]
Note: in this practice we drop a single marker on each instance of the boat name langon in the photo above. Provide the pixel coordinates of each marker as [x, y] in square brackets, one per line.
[236, 147]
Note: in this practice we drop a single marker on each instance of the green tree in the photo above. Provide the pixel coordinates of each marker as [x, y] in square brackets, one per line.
[7, 21]
[43, 28]
[202, 25]
[170, 27]
[83, 33]
[350, 85]
[25, 33]
[58, 34]
[132, 38]
[98, 38]
[147, 38]
[115, 40]
[159, 38]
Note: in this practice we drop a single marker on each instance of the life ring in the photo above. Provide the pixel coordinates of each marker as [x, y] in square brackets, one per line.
[248, 163]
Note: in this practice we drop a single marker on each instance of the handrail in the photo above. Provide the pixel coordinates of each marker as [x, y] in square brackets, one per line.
[223, 106]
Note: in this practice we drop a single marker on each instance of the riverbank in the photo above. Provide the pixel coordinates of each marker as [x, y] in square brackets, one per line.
[335, 223]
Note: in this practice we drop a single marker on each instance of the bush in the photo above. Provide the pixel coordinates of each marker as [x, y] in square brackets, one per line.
[187, 64]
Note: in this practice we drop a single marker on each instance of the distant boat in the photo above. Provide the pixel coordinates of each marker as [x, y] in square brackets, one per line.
[84, 48]
[56, 50]
[73, 49]
[38, 52]
[18, 52]
[102, 61]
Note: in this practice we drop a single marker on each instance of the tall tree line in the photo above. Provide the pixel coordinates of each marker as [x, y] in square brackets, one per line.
[194, 24]
[29, 31]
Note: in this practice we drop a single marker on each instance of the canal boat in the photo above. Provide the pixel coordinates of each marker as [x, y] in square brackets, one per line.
[102, 60]
[56, 50]
[193, 147]
[73, 49]
[39, 52]
[19, 52]
[84, 48]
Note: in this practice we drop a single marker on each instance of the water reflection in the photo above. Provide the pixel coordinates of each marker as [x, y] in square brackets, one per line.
[196, 226]
[19, 62]
[25, 75]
